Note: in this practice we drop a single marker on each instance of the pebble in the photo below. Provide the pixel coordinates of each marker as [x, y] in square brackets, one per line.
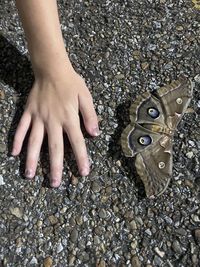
[96, 187]
[74, 180]
[39, 223]
[145, 65]
[177, 247]
[189, 154]
[2, 94]
[33, 261]
[3, 148]
[71, 260]
[197, 235]
[102, 214]
[157, 261]
[197, 78]
[133, 225]
[53, 220]
[195, 260]
[59, 247]
[134, 244]
[101, 263]
[119, 76]
[181, 232]
[74, 235]
[159, 252]
[192, 143]
[18, 212]
[1, 180]
[48, 262]
[135, 262]
[197, 181]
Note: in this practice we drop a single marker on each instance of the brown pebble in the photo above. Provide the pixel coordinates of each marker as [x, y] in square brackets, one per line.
[2, 94]
[101, 263]
[145, 65]
[48, 262]
[74, 180]
[53, 219]
[135, 261]
[197, 235]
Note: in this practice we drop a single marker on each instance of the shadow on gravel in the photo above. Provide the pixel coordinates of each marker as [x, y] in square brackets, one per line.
[115, 150]
[16, 72]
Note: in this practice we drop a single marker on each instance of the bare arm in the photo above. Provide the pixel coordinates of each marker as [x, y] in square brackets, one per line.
[42, 28]
[57, 95]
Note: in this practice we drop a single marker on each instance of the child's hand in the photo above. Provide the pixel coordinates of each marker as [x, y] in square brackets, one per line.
[53, 106]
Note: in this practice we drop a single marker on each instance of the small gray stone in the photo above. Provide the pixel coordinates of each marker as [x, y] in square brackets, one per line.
[71, 260]
[74, 235]
[96, 187]
[157, 261]
[2, 148]
[133, 225]
[177, 247]
[181, 231]
[59, 247]
[102, 214]
[33, 261]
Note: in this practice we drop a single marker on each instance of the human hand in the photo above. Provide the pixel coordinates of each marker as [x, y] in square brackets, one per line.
[53, 107]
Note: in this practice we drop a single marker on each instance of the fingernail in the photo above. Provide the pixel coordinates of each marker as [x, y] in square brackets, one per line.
[14, 151]
[55, 183]
[84, 172]
[28, 173]
[96, 131]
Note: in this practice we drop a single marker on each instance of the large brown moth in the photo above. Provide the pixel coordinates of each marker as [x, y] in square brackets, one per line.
[149, 136]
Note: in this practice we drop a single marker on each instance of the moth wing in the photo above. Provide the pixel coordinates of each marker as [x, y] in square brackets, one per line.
[141, 123]
[175, 99]
[130, 139]
[154, 166]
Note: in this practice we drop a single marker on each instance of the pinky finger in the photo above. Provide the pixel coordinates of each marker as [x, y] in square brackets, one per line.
[20, 133]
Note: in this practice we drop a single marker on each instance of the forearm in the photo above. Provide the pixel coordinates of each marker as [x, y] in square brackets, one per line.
[42, 29]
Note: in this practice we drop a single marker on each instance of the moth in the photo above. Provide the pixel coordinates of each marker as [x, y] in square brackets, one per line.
[149, 136]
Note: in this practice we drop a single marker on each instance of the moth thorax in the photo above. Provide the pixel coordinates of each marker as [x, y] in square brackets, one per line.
[162, 129]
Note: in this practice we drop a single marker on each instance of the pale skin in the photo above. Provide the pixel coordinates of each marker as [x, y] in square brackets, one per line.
[56, 97]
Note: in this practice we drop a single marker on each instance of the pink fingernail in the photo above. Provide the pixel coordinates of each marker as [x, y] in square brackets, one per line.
[28, 173]
[84, 172]
[14, 151]
[96, 131]
[55, 183]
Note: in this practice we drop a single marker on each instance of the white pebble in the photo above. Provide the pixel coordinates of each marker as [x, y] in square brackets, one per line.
[189, 155]
[1, 180]
[59, 248]
[34, 261]
[159, 252]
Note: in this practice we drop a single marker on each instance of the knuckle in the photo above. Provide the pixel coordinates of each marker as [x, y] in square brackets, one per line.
[53, 146]
[79, 141]
[57, 169]
[32, 139]
[72, 122]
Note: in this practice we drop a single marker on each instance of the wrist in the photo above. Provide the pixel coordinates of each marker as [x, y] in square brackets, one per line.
[53, 64]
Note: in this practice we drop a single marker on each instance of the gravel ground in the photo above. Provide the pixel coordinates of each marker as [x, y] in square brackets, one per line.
[122, 48]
